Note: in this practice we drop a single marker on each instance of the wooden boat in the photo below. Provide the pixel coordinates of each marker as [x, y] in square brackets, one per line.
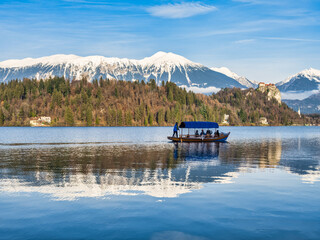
[195, 126]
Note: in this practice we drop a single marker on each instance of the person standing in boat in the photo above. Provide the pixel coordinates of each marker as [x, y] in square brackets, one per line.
[175, 130]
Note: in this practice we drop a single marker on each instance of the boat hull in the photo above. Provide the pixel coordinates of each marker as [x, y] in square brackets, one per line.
[221, 138]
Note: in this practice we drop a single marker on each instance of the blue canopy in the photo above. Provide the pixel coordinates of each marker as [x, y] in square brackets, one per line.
[199, 125]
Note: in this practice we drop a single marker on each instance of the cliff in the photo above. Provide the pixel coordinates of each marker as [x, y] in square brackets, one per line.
[272, 91]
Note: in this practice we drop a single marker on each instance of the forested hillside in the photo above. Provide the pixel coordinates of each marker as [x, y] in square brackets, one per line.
[122, 103]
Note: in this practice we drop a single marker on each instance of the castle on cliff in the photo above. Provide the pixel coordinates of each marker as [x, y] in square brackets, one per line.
[272, 91]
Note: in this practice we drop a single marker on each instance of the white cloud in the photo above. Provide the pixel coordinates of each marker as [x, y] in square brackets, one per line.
[292, 39]
[293, 95]
[264, 2]
[207, 90]
[244, 41]
[180, 10]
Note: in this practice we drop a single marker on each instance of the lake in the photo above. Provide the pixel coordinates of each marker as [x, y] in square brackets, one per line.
[132, 183]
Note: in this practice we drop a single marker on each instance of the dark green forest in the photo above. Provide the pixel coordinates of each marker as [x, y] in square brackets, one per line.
[120, 103]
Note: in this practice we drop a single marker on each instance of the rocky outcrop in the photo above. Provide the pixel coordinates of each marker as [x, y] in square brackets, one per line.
[272, 91]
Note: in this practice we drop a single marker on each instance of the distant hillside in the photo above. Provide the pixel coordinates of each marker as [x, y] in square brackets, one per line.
[247, 106]
[307, 106]
[122, 103]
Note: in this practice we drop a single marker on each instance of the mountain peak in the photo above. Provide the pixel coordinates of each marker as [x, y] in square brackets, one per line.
[306, 81]
[225, 71]
[161, 58]
[310, 72]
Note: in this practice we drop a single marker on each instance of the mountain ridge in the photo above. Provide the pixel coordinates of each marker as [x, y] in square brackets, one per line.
[161, 66]
[243, 80]
[305, 80]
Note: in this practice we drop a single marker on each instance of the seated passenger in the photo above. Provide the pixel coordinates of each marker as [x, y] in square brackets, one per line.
[202, 133]
[208, 133]
[216, 134]
[197, 133]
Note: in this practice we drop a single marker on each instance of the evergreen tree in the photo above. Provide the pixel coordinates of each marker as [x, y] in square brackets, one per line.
[160, 117]
[89, 115]
[119, 118]
[145, 120]
[68, 117]
[170, 95]
[150, 119]
[116, 94]
[97, 121]
[1, 117]
[128, 118]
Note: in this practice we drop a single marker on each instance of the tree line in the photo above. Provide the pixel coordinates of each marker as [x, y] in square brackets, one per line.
[107, 102]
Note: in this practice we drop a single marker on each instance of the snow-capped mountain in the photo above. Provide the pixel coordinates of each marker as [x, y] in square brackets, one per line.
[242, 80]
[160, 66]
[306, 80]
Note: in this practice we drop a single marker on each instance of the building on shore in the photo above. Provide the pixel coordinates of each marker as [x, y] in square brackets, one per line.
[40, 121]
[225, 119]
[263, 121]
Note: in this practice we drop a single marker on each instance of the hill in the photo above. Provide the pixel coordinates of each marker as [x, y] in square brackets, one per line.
[122, 103]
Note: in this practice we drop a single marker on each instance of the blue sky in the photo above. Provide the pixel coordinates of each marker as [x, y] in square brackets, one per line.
[264, 40]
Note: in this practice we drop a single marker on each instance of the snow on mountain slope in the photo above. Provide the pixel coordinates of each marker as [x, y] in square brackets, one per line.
[242, 80]
[161, 67]
[306, 80]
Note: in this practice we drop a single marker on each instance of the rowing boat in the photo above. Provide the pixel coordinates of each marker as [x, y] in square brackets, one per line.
[194, 136]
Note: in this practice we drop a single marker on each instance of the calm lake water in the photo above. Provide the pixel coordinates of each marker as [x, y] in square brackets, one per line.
[131, 183]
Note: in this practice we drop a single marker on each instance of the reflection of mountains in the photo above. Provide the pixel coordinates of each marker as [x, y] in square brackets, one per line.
[157, 170]
[69, 173]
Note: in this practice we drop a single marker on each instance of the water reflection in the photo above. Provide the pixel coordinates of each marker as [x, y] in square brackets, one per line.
[263, 154]
[159, 170]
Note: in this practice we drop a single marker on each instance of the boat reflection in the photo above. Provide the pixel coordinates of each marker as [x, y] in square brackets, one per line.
[196, 151]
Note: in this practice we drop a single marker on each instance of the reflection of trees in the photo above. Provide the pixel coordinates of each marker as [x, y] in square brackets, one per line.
[65, 161]
[68, 173]
[259, 154]
[99, 159]
[298, 156]
[157, 170]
